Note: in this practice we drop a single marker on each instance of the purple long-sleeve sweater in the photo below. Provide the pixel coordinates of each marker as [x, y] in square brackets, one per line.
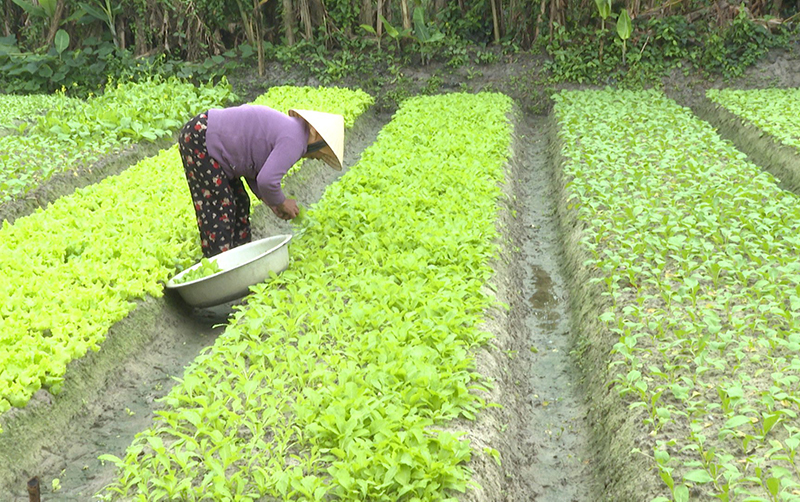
[258, 144]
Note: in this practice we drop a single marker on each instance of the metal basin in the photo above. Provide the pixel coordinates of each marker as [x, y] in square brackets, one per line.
[242, 267]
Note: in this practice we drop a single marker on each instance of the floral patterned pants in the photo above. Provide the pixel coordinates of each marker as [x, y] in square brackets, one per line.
[221, 204]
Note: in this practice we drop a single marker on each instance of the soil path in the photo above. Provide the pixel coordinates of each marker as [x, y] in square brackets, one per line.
[108, 421]
[559, 469]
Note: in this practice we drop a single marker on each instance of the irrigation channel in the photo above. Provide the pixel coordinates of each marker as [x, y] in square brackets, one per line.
[560, 468]
[540, 432]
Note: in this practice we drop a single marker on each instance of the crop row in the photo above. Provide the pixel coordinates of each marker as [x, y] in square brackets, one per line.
[74, 132]
[774, 111]
[107, 245]
[15, 108]
[694, 252]
[339, 378]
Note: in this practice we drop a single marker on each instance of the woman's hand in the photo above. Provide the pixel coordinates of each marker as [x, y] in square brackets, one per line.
[287, 210]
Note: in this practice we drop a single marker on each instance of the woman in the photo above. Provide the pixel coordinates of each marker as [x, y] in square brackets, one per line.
[259, 144]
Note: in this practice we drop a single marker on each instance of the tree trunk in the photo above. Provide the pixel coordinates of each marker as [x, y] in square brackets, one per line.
[55, 22]
[366, 15]
[140, 42]
[495, 22]
[259, 23]
[288, 22]
[165, 31]
[319, 15]
[557, 14]
[439, 6]
[406, 15]
[121, 32]
[6, 22]
[379, 23]
[513, 19]
[247, 24]
[305, 18]
[539, 18]
[387, 12]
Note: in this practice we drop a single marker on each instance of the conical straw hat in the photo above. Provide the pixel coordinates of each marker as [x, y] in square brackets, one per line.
[331, 127]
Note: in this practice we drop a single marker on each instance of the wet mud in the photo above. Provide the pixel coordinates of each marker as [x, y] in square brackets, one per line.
[560, 469]
[539, 430]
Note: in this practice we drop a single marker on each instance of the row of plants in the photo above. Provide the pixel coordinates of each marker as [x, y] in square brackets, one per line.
[15, 108]
[774, 111]
[690, 254]
[339, 378]
[76, 133]
[107, 245]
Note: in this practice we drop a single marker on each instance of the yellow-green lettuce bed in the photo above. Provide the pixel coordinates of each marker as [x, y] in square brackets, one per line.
[337, 380]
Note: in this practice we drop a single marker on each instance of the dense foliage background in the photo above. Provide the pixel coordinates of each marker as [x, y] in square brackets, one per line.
[80, 45]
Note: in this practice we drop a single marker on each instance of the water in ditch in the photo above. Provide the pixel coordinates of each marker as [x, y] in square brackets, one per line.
[558, 467]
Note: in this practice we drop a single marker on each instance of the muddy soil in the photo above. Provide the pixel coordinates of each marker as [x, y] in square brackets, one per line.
[560, 470]
[540, 432]
[111, 395]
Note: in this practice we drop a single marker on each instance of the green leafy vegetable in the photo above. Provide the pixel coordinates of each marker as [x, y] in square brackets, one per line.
[775, 111]
[206, 268]
[693, 253]
[74, 133]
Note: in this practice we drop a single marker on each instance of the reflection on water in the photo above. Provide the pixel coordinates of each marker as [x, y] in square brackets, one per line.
[544, 300]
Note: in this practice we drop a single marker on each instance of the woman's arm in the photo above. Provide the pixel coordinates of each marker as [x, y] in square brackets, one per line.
[285, 154]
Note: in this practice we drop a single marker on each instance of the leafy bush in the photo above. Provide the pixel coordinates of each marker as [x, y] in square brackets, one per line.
[657, 47]
[739, 45]
[95, 63]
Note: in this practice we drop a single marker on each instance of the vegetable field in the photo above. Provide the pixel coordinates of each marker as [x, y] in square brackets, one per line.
[349, 361]
[74, 132]
[108, 245]
[764, 124]
[408, 351]
[687, 257]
